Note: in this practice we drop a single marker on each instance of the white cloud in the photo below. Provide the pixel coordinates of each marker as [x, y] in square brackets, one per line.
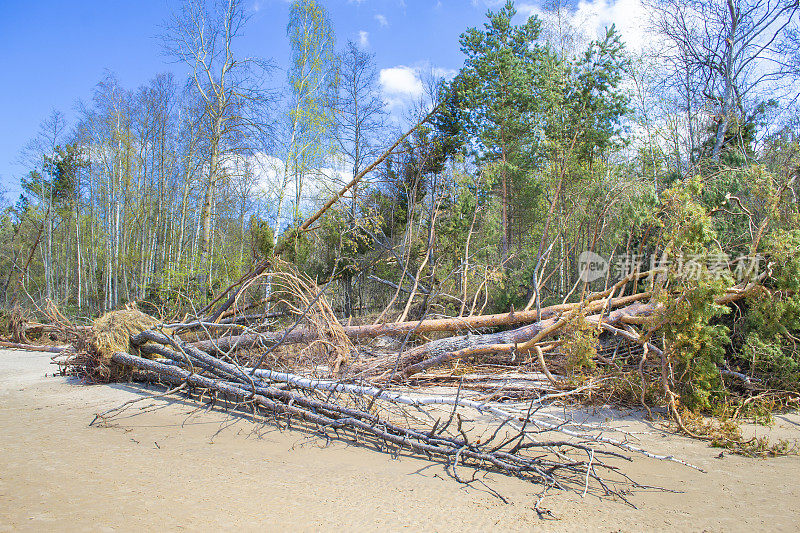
[271, 184]
[403, 85]
[381, 20]
[629, 16]
[401, 81]
[363, 39]
[527, 10]
[591, 17]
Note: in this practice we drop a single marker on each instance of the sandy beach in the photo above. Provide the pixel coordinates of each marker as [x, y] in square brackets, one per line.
[169, 467]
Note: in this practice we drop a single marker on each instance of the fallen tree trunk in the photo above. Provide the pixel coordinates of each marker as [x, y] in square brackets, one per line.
[32, 347]
[523, 339]
[356, 333]
[522, 454]
[437, 352]
[341, 410]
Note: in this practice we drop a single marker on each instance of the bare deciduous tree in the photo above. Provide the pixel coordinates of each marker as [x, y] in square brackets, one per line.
[731, 47]
[202, 35]
[359, 115]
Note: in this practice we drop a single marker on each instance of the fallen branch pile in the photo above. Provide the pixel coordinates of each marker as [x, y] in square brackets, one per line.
[296, 364]
[351, 381]
[338, 389]
[514, 440]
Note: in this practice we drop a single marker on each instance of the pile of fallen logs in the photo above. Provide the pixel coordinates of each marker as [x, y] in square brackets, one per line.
[523, 439]
[296, 364]
[525, 341]
[470, 391]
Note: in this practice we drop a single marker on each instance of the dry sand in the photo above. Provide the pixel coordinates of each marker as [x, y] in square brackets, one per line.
[164, 469]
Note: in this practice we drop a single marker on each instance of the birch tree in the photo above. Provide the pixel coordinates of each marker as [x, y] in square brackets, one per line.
[359, 115]
[52, 132]
[203, 36]
[312, 82]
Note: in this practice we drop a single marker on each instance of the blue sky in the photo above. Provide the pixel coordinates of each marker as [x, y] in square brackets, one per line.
[54, 52]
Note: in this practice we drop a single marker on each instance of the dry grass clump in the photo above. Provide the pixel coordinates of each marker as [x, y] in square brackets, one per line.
[112, 332]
